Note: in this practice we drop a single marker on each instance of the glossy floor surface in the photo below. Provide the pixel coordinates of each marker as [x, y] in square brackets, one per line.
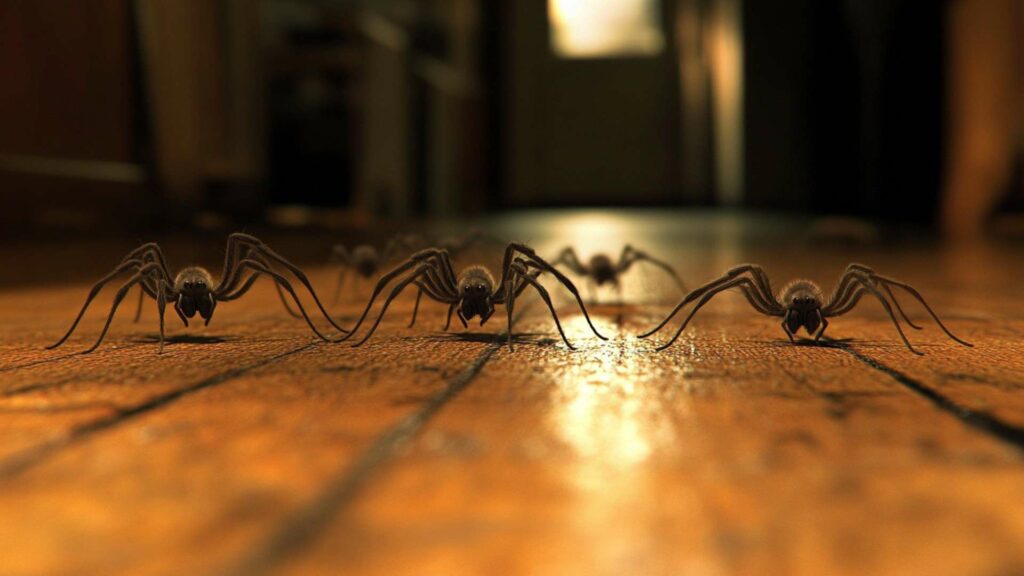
[248, 447]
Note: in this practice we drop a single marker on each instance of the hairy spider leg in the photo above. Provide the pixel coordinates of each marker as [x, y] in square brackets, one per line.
[886, 281]
[121, 268]
[759, 285]
[531, 255]
[268, 252]
[428, 255]
[631, 255]
[119, 296]
[707, 296]
[522, 271]
[263, 269]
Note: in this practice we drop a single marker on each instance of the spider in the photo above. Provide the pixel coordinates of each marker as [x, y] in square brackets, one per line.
[602, 270]
[365, 260]
[193, 290]
[473, 292]
[801, 304]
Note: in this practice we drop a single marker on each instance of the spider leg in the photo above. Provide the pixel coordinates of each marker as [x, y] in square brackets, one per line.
[441, 289]
[824, 325]
[119, 296]
[518, 268]
[757, 301]
[394, 294]
[899, 308]
[428, 283]
[631, 255]
[340, 254]
[510, 303]
[250, 253]
[448, 322]
[161, 305]
[181, 313]
[868, 285]
[266, 251]
[235, 292]
[447, 272]
[885, 281]
[846, 288]
[704, 300]
[123, 267]
[569, 258]
[261, 268]
[532, 256]
[520, 284]
[432, 289]
[148, 252]
[144, 289]
[239, 291]
[429, 257]
[785, 328]
[758, 282]
[213, 306]
[416, 307]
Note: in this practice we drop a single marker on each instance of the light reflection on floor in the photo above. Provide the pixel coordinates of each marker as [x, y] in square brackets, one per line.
[605, 232]
[607, 407]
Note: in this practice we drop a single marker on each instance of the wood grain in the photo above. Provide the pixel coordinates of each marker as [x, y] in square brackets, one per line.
[249, 447]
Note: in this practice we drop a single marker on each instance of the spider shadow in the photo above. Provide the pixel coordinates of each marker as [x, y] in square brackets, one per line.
[837, 343]
[529, 338]
[183, 339]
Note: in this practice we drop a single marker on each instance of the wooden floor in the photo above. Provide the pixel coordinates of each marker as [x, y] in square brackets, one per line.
[248, 447]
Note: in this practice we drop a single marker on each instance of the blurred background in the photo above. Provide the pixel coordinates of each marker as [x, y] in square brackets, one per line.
[132, 116]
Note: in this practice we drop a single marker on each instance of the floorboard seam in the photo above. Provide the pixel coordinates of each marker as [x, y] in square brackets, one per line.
[981, 421]
[302, 528]
[20, 462]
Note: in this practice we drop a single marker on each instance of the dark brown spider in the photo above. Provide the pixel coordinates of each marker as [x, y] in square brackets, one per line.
[801, 303]
[365, 260]
[601, 270]
[473, 292]
[193, 290]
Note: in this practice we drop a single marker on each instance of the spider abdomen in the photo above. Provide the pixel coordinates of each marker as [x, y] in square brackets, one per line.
[475, 280]
[802, 295]
[193, 280]
[602, 269]
[365, 260]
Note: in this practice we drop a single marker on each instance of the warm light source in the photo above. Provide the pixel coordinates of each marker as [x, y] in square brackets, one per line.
[594, 29]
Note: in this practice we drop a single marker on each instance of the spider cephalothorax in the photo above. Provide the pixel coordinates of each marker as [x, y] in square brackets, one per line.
[802, 304]
[366, 261]
[473, 292]
[194, 286]
[193, 290]
[476, 287]
[600, 269]
[802, 300]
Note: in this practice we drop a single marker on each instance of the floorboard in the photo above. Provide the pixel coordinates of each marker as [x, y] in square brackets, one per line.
[251, 447]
